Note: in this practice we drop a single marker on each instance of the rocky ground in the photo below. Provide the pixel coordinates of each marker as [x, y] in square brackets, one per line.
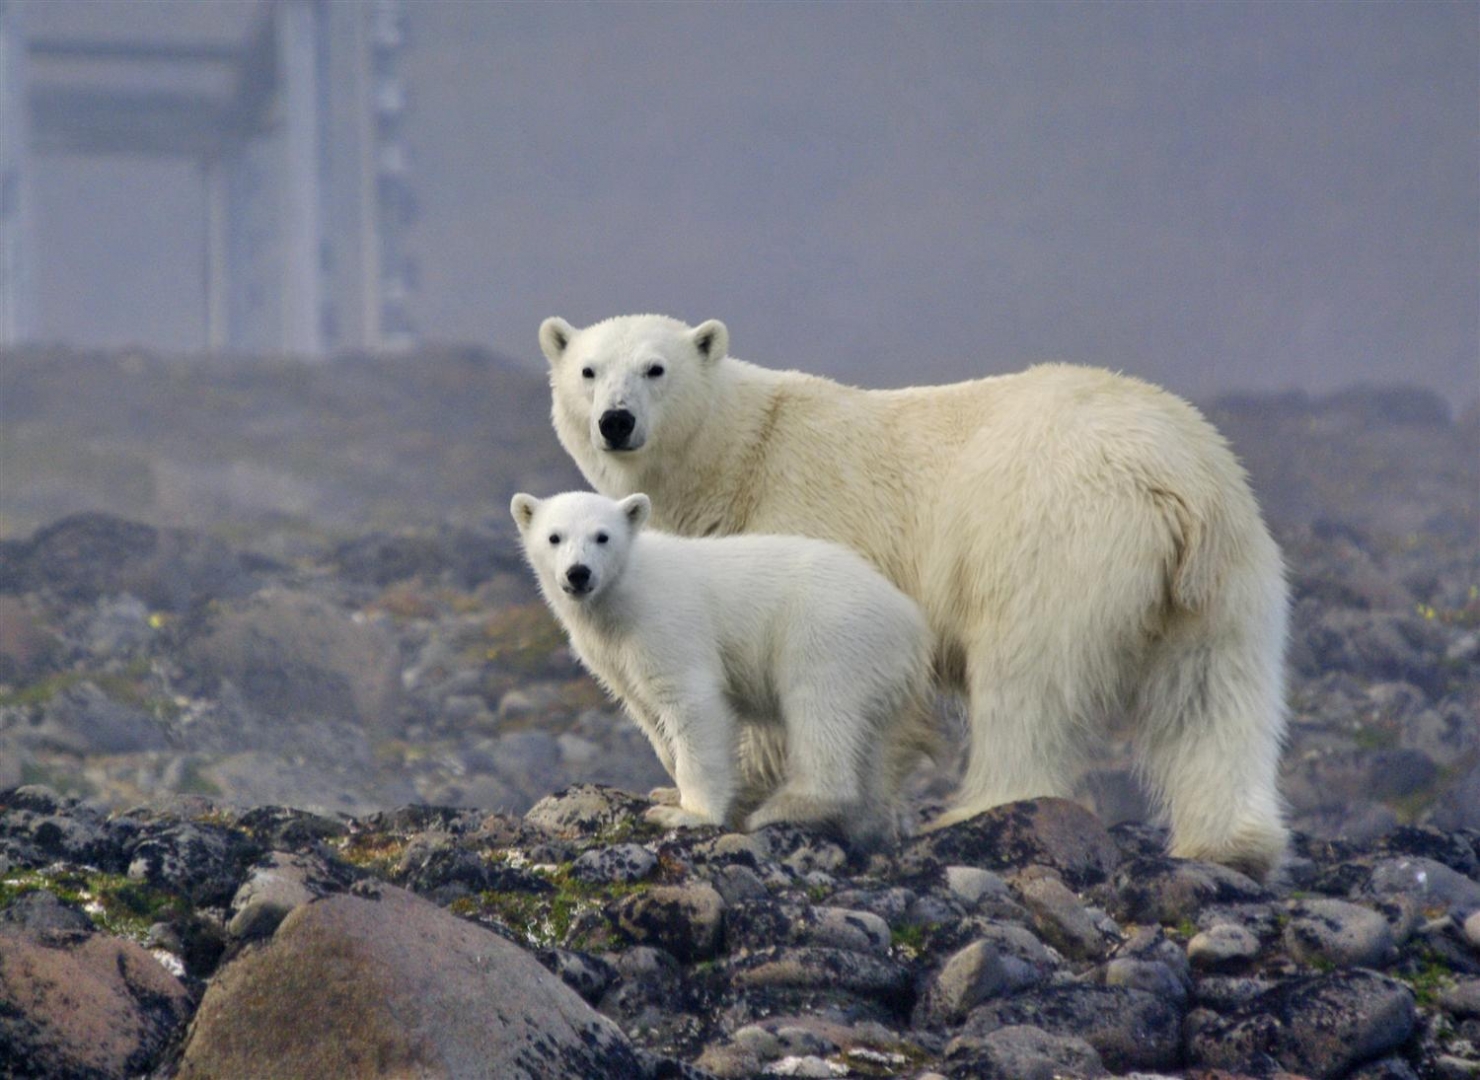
[343, 626]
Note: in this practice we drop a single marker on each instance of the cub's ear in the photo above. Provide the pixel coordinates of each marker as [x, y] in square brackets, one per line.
[636, 508]
[523, 506]
[711, 339]
[555, 335]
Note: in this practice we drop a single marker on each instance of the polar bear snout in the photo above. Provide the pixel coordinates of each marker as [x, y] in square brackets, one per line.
[616, 426]
[577, 579]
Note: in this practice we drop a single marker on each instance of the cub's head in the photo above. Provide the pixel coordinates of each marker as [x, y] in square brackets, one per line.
[629, 386]
[577, 542]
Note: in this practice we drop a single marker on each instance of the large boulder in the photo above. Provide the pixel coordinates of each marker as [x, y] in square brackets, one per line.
[386, 984]
[77, 1003]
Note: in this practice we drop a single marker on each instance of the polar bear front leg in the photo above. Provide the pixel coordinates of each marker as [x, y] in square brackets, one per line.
[701, 731]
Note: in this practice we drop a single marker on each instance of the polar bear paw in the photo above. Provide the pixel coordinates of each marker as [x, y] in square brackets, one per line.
[664, 796]
[676, 817]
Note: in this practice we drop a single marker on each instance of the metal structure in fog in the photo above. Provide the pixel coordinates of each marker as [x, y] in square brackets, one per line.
[304, 165]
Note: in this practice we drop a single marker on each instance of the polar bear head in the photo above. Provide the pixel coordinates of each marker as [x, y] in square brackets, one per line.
[630, 383]
[577, 542]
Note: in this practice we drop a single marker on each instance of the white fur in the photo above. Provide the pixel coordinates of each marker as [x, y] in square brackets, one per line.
[1081, 543]
[777, 677]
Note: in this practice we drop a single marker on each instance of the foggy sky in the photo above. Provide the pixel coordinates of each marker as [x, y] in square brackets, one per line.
[1214, 196]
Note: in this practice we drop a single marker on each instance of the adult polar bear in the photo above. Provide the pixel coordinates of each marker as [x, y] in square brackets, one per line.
[1080, 542]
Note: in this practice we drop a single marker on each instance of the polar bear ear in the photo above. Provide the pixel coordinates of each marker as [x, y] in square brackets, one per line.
[636, 509]
[523, 506]
[555, 335]
[711, 339]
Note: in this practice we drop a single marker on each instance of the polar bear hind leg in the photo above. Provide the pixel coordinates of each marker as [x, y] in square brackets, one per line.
[1210, 726]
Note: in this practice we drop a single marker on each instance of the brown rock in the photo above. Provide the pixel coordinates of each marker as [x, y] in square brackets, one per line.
[83, 1004]
[392, 985]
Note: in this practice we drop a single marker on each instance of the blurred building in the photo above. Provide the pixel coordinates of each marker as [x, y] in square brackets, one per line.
[296, 118]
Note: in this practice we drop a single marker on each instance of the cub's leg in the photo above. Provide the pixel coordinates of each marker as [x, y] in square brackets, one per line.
[701, 730]
[826, 751]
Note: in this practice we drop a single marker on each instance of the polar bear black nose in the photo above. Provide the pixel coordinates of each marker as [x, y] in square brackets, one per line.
[616, 427]
[579, 576]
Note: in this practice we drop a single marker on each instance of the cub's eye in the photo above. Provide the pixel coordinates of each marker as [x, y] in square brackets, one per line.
[655, 371]
[554, 538]
[601, 538]
[587, 373]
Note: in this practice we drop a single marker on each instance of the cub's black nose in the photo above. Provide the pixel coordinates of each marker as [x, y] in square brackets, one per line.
[616, 427]
[578, 576]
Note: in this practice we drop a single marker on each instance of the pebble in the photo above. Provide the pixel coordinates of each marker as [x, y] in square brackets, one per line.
[1222, 946]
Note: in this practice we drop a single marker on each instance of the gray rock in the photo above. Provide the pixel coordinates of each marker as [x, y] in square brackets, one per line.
[204, 862]
[1020, 1052]
[1005, 960]
[1058, 915]
[807, 1066]
[528, 761]
[41, 912]
[737, 883]
[1458, 805]
[82, 719]
[683, 919]
[1223, 946]
[1131, 1029]
[274, 887]
[394, 985]
[1463, 999]
[971, 884]
[842, 928]
[1426, 880]
[118, 627]
[816, 968]
[590, 976]
[1148, 975]
[1472, 930]
[1338, 933]
[1321, 1026]
[292, 653]
[1056, 833]
[623, 863]
[586, 810]
[1170, 890]
[1226, 993]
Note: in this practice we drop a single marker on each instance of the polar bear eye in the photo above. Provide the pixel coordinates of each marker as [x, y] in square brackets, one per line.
[587, 373]
[601, 538]
[655, 371]
[554, 538]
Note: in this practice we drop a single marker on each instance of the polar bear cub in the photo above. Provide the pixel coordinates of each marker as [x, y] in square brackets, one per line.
[778, 678]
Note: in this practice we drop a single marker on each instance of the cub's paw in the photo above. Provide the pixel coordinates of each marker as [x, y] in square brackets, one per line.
[664, 796]
[676, 817]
